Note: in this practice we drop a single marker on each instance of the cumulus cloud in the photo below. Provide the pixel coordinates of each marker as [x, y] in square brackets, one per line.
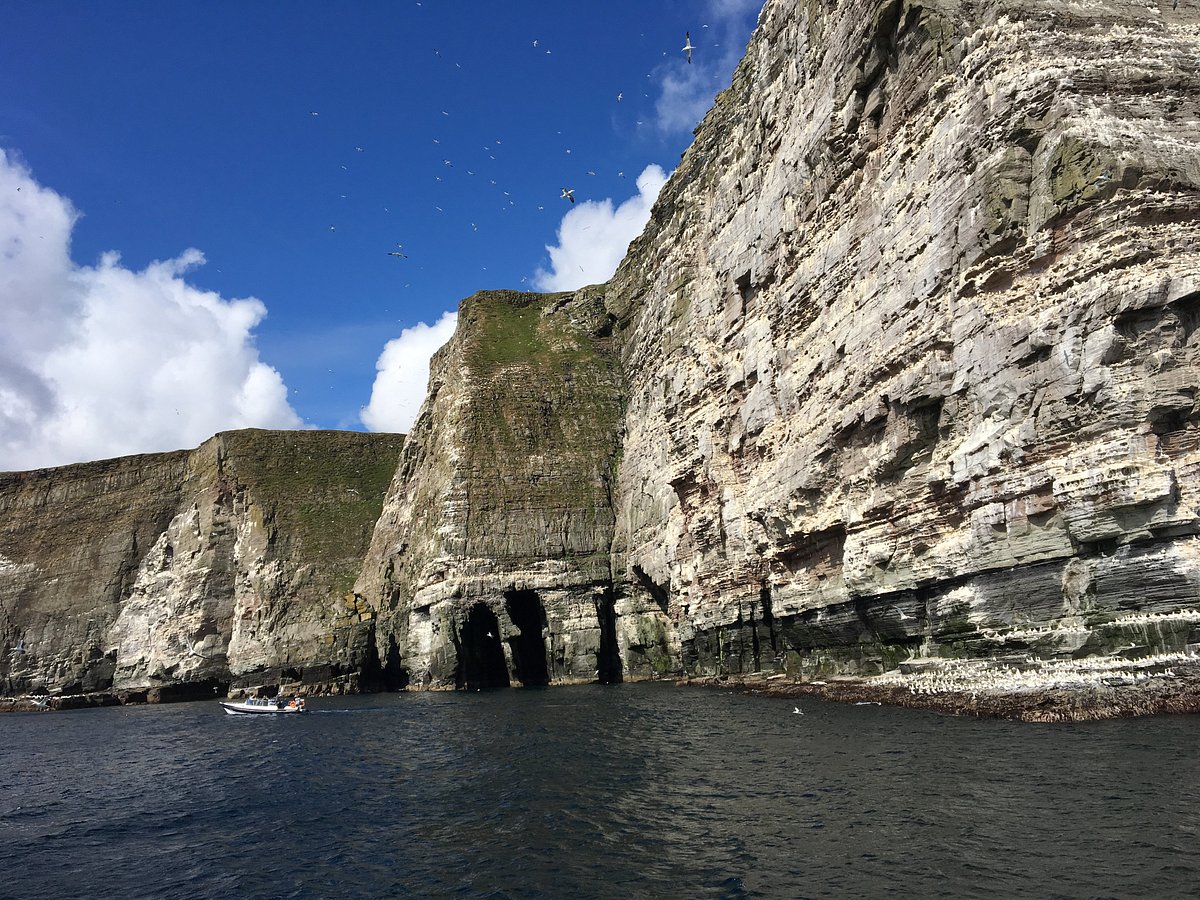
[593, 236]
[402, 374]
[105, 361]
[686, 91]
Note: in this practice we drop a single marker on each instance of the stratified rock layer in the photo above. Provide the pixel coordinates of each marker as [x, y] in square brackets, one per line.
[171, 575]
[490, 564]
[911, 342]
[902, 371]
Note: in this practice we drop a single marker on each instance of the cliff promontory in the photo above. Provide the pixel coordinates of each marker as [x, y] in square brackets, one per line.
[899, 381]
[895, 397]
[175, 575]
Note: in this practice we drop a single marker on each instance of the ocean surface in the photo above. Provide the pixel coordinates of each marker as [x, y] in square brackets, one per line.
[642, 790]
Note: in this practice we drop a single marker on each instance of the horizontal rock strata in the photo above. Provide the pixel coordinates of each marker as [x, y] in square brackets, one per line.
[490, 563]
[906, 366]
[911, 343]
[177, 575]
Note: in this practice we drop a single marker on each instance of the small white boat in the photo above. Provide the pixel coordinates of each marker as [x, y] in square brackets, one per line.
[260, 706]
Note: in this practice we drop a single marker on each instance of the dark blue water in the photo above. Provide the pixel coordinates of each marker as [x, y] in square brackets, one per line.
[630, 791]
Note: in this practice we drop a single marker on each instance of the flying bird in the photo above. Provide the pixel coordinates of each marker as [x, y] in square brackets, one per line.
[568, 194]
[687, 47]
[796, 710]
[397, 253]
[619, 96]
[19, 648]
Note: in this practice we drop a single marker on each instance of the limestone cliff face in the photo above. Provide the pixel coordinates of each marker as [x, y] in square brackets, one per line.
[490, 563]
[903, 368]
[174, 574]
[912, 342]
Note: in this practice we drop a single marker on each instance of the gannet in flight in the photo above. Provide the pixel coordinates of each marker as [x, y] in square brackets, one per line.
[568, 194]
[687, 47]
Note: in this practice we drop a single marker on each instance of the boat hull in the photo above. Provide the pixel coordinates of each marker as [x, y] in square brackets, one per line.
[240, 709]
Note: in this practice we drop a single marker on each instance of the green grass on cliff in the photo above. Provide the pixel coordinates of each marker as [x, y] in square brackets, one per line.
[543, 421]
[320, 491]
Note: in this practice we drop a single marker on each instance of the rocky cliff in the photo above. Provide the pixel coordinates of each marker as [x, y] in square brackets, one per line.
[490, 564]
[899, 383]
[899, 380]
[177, 574]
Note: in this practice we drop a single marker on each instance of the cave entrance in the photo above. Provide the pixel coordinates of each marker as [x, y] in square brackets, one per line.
[480, 654]
[608, 657]
[525, 610]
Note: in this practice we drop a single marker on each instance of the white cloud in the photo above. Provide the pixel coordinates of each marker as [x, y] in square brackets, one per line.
[593, 237]
[106, 361]
[402, 375]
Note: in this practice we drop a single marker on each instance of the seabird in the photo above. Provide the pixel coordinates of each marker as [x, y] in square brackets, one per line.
[687, 47]
[797, 711]
[619, 96]
[19, 648]
[194, 652]
[397, 253]
[568, 194]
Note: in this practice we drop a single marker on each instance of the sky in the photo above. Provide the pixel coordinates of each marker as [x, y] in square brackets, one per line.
[225, 214]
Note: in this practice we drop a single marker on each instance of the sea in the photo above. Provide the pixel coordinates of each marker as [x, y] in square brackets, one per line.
[635, 790]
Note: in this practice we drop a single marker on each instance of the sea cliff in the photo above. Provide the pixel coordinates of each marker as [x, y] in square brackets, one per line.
[894, 398]
[906, 369]
[180, 575]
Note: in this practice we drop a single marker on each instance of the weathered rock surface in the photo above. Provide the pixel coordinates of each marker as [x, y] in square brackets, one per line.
[911, 342]
[899, 383]
[490, 563]
[177, 574]
[905, 361]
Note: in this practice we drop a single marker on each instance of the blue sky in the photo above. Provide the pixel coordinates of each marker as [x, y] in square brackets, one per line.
[198, 200]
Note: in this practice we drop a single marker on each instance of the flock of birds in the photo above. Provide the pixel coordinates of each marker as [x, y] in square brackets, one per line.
[567, 193]
[976, 677]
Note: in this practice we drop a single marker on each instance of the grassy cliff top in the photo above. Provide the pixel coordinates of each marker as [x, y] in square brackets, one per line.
[322, 491]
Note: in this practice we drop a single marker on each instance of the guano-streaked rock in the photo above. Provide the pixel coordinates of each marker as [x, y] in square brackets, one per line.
[179, 574]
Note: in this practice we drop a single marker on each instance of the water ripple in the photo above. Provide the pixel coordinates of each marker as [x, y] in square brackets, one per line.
[631, 791]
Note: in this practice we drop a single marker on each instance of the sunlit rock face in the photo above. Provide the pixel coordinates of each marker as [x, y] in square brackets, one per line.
[903, 366]
[182, 574]
[910, 344]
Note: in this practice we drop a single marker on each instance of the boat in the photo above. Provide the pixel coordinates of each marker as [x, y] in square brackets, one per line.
[260, 706]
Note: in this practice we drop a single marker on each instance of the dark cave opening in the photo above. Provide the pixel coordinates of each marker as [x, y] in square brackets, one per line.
[480, 655]
[525, 610]
[608, 657]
